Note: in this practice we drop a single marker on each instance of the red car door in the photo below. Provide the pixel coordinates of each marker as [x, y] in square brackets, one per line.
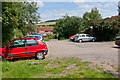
[16, 49]
[31, 46]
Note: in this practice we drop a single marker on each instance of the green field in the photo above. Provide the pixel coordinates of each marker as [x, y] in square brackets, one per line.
[52, 68]
[46, 23]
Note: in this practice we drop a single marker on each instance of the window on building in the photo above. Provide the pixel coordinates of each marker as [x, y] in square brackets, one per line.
[49, 31]
[41, 31]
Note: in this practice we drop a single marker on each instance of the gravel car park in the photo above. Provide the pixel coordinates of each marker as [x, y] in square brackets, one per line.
[91, 50]
[101, 53]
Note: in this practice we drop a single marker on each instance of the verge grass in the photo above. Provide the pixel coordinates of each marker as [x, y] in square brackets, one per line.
[52, 68]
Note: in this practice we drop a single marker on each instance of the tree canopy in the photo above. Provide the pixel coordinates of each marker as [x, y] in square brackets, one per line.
[17, 18]
[103, 29]
[68, 26]
[119, 8]
[89, 16]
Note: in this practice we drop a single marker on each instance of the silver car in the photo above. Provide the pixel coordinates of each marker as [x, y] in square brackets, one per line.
[34, 36]
[84, 37]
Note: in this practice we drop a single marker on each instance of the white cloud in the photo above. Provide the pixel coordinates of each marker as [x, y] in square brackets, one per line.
[56, 14]
[109, 5]
[105, 9]
[95, 0]
[99, 5]
[85, 6]
[80, 1]
[52, 14]
[40, 3]
[63, 0]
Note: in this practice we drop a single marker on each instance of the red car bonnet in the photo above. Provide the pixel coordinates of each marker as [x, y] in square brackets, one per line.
[72, 36]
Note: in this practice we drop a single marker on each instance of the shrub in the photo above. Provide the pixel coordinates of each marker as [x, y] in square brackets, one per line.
[49, 36]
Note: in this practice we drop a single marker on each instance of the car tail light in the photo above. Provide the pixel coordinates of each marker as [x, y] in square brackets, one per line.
[42, 38]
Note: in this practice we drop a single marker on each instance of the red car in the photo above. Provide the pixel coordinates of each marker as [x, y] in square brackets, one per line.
[72, 38]
[24, 47]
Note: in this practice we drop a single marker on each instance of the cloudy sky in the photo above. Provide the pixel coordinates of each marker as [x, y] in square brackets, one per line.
[50, 10]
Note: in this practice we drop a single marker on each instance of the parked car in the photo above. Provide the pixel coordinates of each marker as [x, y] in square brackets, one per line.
[24, 47]
[34, 36]
[117, 41]
[72, 38]
[84, 37]
[38, 34]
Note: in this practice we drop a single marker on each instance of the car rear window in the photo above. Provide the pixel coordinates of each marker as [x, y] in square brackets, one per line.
[117, 38]
[87, 36]
[31, 42]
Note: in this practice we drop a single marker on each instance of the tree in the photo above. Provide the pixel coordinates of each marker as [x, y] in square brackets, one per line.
[119, 8]
[17, 18]
[89, 16]
[94, 14]
[68, 26]
[105, 29]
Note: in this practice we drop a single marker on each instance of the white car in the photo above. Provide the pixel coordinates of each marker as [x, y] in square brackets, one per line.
[84, 37]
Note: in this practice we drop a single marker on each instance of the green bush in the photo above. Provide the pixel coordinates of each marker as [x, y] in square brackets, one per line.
[46, 39]
[49, 36]
[105, 30]
[62, 38]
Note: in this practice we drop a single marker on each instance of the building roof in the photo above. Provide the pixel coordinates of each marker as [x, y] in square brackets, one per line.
[45, 28]
[108, 19]
[114, 16]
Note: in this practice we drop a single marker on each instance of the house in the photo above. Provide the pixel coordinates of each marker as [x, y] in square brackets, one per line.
[45, 30]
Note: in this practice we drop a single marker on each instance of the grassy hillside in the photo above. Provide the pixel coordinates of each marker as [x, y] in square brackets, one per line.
[46, 23]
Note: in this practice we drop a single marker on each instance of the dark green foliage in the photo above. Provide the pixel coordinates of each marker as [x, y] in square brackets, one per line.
[89, 16]
[119, 8]
[48, 37]
[17, 19]
[68, 26]
[105, 30]
[94, 14]
[91, 23]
